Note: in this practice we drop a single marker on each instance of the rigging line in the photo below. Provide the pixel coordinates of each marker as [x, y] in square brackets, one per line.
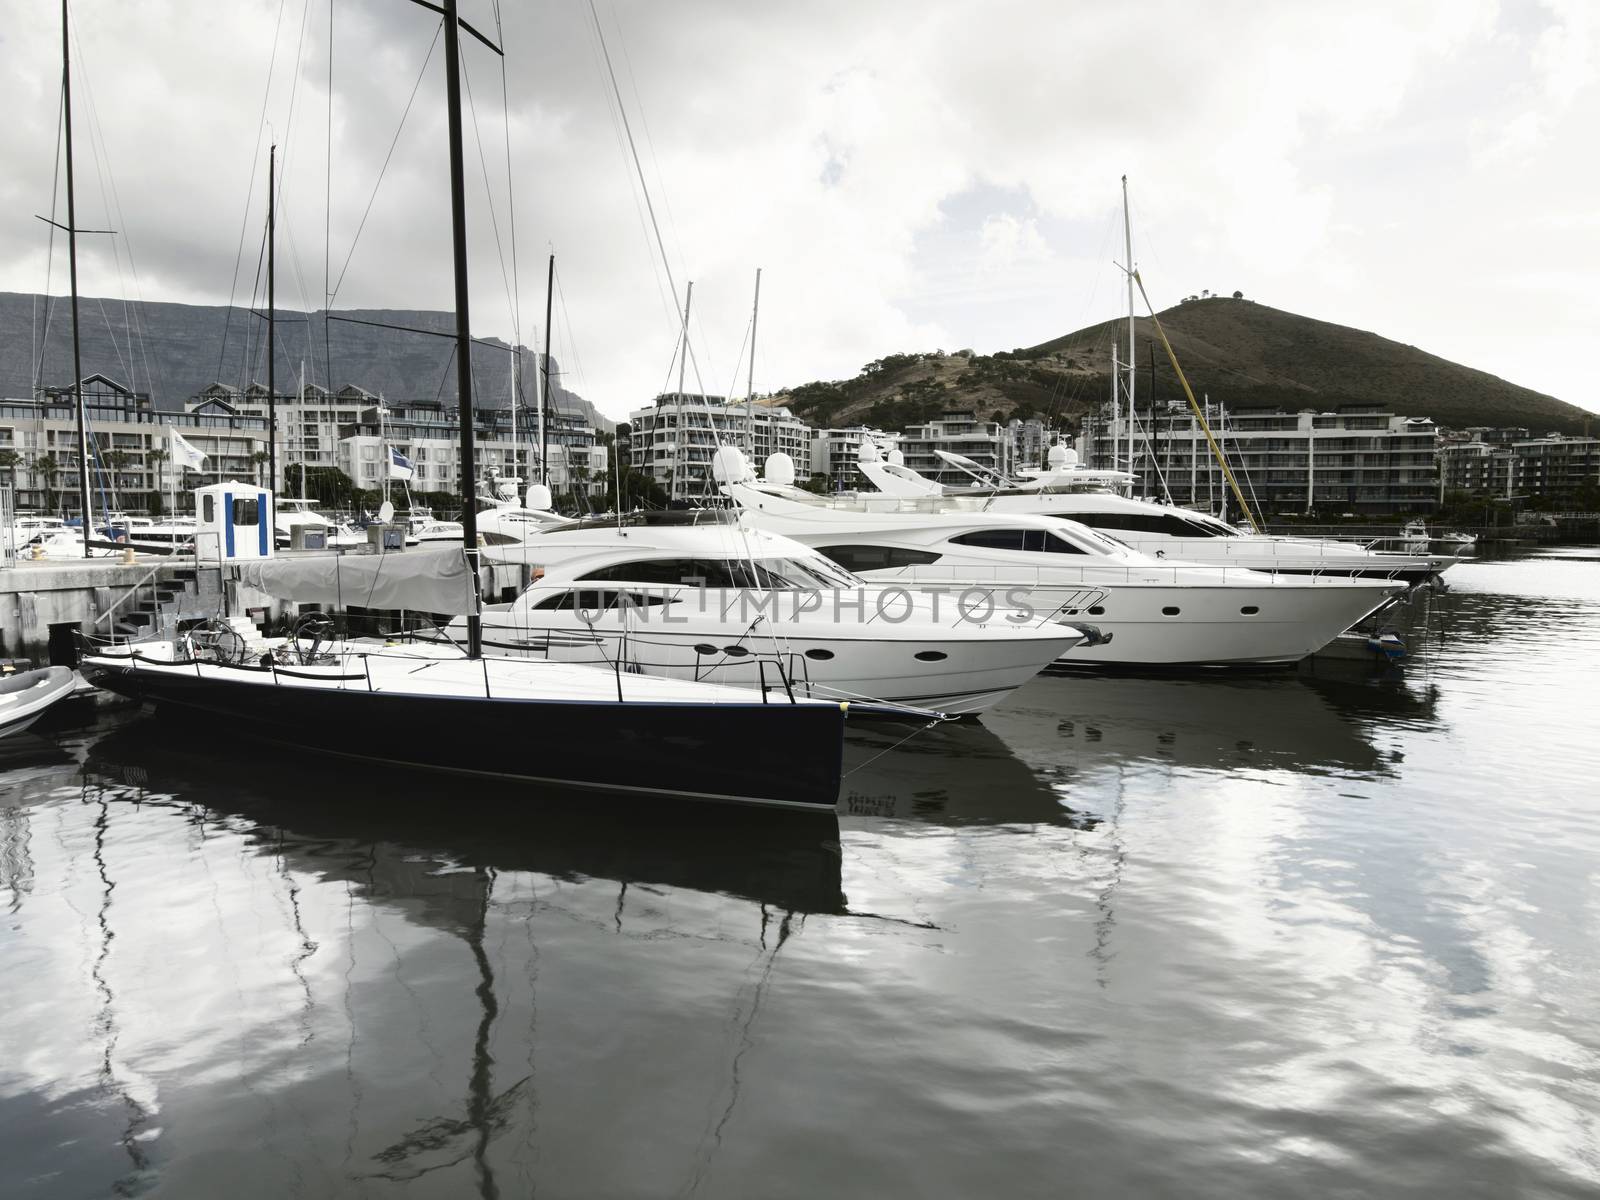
[483, 161]
[634, 150]
[667, 307]
[294, 92]
[327, 209]
[50, 251]
[328, 295]
[255, 164]
[649, 142]
[511, 191]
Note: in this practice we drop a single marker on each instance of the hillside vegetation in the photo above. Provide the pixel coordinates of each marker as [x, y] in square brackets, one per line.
[1243, 354]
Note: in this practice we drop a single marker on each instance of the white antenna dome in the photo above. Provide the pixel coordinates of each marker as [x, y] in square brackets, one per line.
[539, 497]
[1061, 458]
[896, 458]
[780, 469]
[729, 465]
[867, 452]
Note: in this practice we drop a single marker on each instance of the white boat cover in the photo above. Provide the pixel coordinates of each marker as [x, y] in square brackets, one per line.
[432, 581]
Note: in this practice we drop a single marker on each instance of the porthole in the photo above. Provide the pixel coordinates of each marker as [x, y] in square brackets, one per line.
[931, 656]
[820, 655]
[1170, 610]
[735, 651]
[1249, 610]
[1097, 611]
[704, 648]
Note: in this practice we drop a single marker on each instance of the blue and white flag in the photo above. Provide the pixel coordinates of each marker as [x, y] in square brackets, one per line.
[399, 465]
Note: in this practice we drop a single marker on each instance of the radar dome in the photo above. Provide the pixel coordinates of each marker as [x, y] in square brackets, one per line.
[896, 459]
[1061, 458]
[867, 452]
[729, 465]
[539, 497]
[780, 469]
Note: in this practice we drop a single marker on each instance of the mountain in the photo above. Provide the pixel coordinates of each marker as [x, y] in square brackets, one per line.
[174, 350]
[1243, 354]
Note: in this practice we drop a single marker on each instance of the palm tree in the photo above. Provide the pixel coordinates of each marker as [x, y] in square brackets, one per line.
[155, 456]
[46, 467]
[9, 461]
[258, 459]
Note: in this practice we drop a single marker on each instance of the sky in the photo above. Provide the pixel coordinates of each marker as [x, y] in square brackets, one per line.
[907, 176]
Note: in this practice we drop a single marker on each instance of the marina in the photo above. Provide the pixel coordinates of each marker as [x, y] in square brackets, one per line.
[1168, 937]
[1156, 759]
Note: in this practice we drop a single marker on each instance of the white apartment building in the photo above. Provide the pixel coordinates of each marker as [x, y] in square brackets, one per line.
[1507, 463]
[987, 443]
[1357, 460]
[675, 438]
[129, 443]
[834, 453]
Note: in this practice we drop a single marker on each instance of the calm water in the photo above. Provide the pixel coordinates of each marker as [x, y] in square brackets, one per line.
[1322, 935]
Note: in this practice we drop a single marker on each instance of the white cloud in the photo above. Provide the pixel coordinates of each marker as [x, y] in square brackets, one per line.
[1328, 161]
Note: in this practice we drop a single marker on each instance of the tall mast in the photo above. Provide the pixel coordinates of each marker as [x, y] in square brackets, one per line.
[72, 259]
[458, 228]
[1116, 412]
[544, 400]
[272, 312]
[750, 380]
[516, 471]
[683, 362]
[1133, 361]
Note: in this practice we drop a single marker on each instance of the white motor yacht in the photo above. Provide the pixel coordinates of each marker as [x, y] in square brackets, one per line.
[702, 595]
[435, 531]
[288, 512]
[1160, 613]
[1159, 530]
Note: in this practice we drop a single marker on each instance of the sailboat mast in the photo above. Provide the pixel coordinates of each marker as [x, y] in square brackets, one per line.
[516, 470]
[750, 379]
[458, 230]
[72, 259]
[683, 362]
[1132, 361]
[544, 401]
[272, 313]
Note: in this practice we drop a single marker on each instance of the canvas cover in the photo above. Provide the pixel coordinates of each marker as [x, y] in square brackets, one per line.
[432, 581]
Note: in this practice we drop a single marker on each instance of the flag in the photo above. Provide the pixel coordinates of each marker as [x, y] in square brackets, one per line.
[183, 454]
[399, 465]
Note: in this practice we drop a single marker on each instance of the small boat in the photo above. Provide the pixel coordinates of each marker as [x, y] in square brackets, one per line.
[25, 696]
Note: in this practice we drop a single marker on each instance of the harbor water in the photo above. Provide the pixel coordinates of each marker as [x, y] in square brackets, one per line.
[1333, 932]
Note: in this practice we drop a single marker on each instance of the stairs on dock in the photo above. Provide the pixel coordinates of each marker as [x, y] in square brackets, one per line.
[188, 595]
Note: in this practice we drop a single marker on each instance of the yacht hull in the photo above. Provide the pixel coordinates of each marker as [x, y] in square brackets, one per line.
[959, 677]
[1193, 625]
[691, 751]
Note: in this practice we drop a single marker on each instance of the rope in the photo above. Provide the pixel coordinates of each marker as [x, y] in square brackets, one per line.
[889, 749]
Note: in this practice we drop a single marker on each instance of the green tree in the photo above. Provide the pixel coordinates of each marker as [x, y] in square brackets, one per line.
[155, 457]
[46, 469]
[10, 460]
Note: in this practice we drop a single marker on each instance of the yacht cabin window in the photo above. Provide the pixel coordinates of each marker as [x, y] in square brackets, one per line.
[858, 558]
[1032, 540]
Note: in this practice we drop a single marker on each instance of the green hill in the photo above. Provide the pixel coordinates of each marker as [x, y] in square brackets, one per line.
[1243, 354]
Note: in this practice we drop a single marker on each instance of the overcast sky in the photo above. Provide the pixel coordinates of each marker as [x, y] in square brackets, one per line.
[908, 175]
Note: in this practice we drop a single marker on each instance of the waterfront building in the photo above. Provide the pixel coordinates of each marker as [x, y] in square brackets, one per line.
[1507, 463]
[835, 452]
[1028, 442]
[128, 447]
[1359, 460]
[675, 437]
[987, 443]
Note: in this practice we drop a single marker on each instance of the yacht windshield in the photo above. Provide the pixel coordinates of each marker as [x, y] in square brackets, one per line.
[768, 574]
